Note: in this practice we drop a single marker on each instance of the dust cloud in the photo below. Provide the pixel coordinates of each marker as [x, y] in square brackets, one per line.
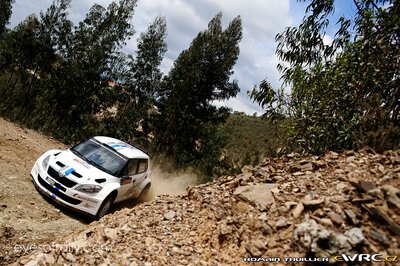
[169, 182]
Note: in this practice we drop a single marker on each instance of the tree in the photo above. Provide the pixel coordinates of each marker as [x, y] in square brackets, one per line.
[5, 13]
[141, 82]
[57, 75]
[145, 67]
[187, 123]
[344, 95]
[23, 52]
[79, 86]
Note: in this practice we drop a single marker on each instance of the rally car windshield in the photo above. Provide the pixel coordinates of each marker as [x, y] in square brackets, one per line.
[100, 156]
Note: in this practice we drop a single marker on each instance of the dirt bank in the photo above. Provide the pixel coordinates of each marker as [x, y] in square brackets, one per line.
[28, 221]
[329, 209]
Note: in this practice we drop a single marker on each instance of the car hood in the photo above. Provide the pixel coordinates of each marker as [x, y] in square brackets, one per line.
[68, 164]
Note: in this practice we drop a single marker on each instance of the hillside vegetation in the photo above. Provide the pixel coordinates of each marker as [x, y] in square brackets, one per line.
[344, 94]
[250, 140]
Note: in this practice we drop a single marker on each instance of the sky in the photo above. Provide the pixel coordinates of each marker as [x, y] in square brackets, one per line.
[262, 20]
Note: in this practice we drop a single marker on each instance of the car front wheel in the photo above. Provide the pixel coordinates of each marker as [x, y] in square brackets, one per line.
[105, 206]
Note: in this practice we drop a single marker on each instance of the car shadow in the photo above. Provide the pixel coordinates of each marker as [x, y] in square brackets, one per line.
[124, 204]
[131, 203]
[85, 218]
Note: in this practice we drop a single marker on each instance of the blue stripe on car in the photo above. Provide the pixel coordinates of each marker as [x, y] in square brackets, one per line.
[119, 146]
[70, 170]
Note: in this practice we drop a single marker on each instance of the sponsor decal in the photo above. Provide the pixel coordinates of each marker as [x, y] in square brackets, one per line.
[87, 205]
[85, 164]
[126, 180]
[76, 195]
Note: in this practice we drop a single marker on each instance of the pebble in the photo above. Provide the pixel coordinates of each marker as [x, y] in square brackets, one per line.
[379, 237]
[316, 202]
[366, 186]
[169, 215]
[298, 210]
[336, 218]
[281, 222]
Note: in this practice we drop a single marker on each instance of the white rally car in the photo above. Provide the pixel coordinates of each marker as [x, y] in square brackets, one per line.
[93, 175]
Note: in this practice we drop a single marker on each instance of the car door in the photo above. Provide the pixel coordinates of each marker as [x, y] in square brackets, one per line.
[135, 173]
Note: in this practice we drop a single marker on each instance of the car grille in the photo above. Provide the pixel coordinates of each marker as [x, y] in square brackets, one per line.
[57, 192]
[76, 174]
[62, 179]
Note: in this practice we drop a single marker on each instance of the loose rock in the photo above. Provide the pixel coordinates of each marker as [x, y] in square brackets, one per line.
[169, 215]
[325, 206]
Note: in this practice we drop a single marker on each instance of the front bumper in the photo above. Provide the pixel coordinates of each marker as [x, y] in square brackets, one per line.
[66, 196]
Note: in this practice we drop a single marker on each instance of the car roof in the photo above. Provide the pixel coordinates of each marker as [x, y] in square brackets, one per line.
[122, 147]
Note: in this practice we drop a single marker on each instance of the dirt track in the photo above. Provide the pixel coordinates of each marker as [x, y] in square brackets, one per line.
[27, 218]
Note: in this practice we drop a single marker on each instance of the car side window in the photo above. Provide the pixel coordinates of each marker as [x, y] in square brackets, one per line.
[136, 166]
[142, 167]
[132, 167]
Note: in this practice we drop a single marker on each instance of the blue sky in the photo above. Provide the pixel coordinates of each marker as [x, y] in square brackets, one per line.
[262, 20]
[344, 8]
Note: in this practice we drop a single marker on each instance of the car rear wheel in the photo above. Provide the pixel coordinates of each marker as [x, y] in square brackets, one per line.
[105, 206]
[144, 192]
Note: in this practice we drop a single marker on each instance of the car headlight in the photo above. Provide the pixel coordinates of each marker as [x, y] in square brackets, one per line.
[88, 188]
[45, 162]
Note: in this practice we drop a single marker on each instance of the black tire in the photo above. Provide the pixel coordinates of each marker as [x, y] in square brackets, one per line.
[105, 207]
[143, 193]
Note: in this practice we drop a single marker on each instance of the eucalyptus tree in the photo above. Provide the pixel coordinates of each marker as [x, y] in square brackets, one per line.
[345, 94]
[58, 73]
[141, 83]
[187, 123]
[80, 85]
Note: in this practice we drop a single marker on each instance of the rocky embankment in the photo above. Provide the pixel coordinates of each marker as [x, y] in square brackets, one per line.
[291, 206]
